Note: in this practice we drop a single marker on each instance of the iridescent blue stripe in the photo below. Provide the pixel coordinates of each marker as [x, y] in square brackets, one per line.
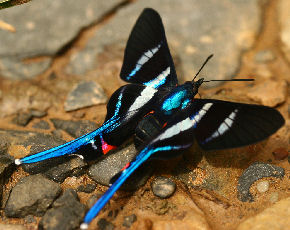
[140, 159]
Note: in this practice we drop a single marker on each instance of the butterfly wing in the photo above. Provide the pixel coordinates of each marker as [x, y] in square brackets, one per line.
[223, 124]
[130, 103]
[147, 58]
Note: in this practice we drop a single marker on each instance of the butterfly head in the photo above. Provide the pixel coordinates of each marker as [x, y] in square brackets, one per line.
[196, 85]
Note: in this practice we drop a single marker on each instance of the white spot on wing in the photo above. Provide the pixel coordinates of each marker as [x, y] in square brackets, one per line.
[147, 55]
[160, 79]
[140, 101]
[184, 124]
[225, 126]
[94, 145]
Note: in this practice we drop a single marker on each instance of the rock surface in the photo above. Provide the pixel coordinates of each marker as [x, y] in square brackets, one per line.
[32, 195]
[66, 213]
[86, 93]
[75, 128]
[7, 167]
[262, 93]
[284, 20]
[253, 173]
[12, 227]
[275, 217]
[64, 21]
[106, 168]
[192, 38]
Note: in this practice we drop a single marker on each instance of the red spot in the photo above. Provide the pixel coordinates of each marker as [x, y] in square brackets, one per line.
[126, 166]
[164, 125]
[106, 147]
[151, 112]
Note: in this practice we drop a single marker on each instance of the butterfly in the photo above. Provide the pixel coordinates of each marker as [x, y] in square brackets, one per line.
[177, 118]
[130, 102]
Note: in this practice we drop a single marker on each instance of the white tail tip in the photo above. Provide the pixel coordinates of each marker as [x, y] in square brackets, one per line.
[84, 226]
[17, 162]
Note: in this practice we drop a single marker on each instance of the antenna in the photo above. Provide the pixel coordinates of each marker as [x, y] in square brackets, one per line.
[209, 57]
[240, 79]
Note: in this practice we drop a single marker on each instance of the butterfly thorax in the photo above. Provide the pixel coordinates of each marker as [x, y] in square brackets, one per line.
[178, 98]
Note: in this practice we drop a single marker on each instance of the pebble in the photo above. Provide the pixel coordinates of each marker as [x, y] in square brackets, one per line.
[263, 186]
[32, 195]
[75, 128]
[163, 187]
[22, 119]
[129, 220]
[41, 125]
[254, 172]
[103, 224]
[85, 94]
[107, 167]
[93, 199]
[88, 188]
[66, 213]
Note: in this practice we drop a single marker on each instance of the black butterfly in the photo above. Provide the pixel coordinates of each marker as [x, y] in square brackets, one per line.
[177, 118]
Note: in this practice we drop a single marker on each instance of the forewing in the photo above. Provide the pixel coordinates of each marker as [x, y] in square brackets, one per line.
[147, 58]
[223, 124]
[126, 107]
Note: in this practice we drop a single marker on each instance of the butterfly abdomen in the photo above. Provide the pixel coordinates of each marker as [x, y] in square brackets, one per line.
[146, 129]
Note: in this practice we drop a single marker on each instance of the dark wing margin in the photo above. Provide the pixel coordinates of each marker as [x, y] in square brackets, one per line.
[147, 58]
[229, 125]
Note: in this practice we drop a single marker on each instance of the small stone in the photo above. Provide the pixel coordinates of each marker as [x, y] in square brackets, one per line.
[106, 168]
[274, 197]
[253, 173]
[163, 187]
[66, 213]
[103, 224]
[75, 128]
[93, 199]
[85, 94]
[22, 119]
[32, 195]
[129, 220]
[280, 153]
[75, 166]
[88, 188]
[38, 113]
[41, 125]
[264, 56]
[263, 186]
